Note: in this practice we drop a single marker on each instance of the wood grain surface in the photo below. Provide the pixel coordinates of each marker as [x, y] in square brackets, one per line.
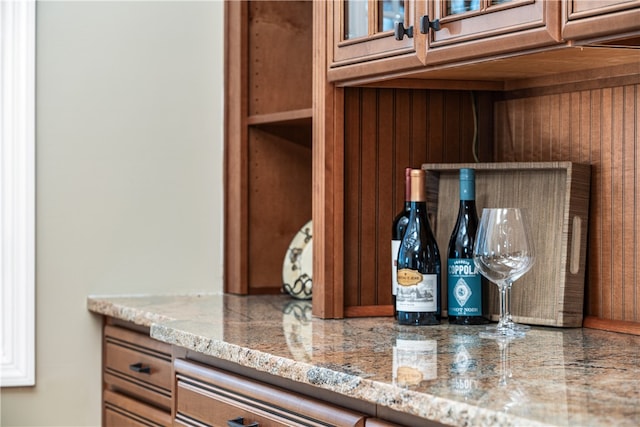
[555, 197]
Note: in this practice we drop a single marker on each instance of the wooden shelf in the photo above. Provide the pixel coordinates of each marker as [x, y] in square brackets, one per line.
[294, 126]
[284, 118]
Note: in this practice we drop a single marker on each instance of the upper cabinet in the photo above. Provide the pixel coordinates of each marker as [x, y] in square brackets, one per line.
[589, 19]
[365, 42]
[440, 35]
[380, 32]
[480, 28]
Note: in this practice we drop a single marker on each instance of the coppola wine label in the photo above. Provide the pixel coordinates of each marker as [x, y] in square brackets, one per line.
[464, 282]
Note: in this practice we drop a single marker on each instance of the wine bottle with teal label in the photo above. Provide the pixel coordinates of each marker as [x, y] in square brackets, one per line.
[464, 282]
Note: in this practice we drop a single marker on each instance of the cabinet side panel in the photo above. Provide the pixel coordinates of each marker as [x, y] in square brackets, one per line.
[235, 186]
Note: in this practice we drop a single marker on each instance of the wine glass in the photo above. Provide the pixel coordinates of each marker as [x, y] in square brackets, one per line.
[503, 252]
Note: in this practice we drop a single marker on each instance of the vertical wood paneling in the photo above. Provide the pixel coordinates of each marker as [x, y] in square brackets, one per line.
[402, 132]
[368, 206]
[436, 126]
[384, 192]
[387, 130]
[423, 118]
[634, 95]
[615, 104]
[629, 216]
[452, 128]
[352, 209]
[563, 151]
[600, 127]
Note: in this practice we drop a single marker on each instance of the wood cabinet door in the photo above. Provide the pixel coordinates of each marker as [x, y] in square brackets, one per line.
[588, 19]
[362, 41]
[482, 28]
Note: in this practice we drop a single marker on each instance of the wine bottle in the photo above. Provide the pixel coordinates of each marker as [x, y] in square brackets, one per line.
[418, 295]
[397, 231]
[464, 282]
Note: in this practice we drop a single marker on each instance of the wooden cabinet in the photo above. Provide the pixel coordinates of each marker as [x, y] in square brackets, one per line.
[472, 37]
[267, 138]
[122, 411]
[442, 32]
[369, 98]
[210, 396]
[137, 378]
[362, 31]
[592, 19]
[484, 28]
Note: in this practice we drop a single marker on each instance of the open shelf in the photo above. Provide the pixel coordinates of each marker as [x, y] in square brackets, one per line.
[292, 125]
[268, 146]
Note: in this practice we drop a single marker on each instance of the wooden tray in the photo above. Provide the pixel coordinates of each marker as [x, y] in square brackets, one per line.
[556, 195]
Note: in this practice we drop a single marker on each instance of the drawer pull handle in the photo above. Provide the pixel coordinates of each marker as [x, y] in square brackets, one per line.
[140, 368]
[239, 422]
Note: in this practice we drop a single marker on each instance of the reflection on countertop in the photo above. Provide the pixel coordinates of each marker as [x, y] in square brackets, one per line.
[446, 373]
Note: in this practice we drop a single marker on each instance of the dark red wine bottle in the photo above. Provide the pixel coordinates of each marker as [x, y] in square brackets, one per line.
[397, 231]
[419, 280]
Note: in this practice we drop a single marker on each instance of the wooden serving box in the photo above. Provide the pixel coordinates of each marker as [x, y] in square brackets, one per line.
[556, 196]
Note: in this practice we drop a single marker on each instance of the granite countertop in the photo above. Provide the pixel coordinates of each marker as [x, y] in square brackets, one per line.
[446, 373]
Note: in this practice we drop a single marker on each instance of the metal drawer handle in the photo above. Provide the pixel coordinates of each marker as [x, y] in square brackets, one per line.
[140, 368]
[239, 422]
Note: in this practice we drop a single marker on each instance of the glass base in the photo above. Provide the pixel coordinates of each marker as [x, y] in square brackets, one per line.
[495, 332]
[517, 326]
[513, 326]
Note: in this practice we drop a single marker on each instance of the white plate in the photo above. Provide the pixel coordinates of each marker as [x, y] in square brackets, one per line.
[297, 268]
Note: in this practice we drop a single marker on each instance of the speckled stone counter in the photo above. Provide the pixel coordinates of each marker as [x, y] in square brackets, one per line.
[558, 377]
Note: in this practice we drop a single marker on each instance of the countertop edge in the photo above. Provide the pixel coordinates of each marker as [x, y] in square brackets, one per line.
[431, 407]
[136, 316]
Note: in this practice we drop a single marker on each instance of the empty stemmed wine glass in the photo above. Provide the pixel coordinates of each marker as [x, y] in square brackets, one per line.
[503, 252]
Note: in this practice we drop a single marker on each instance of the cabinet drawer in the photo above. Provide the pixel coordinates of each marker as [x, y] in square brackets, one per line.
[121, 411]
[136, 365]
[205, 395]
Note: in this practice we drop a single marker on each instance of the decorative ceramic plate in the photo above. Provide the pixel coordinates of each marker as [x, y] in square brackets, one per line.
[297, 269]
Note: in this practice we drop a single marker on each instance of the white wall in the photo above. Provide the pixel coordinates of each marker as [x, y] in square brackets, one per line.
[129, 180]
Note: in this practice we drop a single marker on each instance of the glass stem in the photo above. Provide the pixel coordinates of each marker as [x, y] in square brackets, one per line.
[503, 306]
[507, 297]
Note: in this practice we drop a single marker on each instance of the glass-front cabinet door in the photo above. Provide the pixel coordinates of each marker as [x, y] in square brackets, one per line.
[369, 37]
[480, 28]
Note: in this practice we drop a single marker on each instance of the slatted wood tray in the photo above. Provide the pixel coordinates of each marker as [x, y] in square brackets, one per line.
[556, 195]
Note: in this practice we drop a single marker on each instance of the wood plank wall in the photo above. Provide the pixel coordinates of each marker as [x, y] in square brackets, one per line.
[387, 130]
[597, 126]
